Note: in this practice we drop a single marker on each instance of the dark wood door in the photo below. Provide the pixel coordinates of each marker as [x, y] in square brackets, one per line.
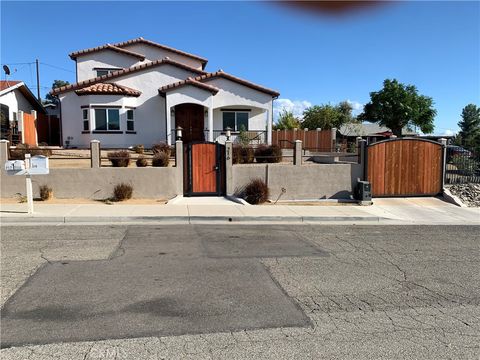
[205, 170]
[405, 167]
[191, 118]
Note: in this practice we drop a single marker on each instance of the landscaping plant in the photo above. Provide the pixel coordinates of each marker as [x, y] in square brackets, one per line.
[119, 158]
[255, 192]
[161, 159]
[243, 154]
[268, 154]
[122, 192]
[141, 161]
[46, 192]
[139, 149]
[21, 149]
[162, 147]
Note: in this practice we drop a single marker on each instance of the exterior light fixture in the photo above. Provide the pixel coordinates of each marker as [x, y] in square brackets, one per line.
[179, 133]
[228, 132]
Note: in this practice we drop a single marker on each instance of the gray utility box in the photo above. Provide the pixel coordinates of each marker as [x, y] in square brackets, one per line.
[363, 192]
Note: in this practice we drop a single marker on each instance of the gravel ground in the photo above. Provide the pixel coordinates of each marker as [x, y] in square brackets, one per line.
[468, 193]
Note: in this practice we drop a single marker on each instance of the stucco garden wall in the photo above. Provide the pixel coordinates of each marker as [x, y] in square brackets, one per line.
[157, 183]
[316, 181]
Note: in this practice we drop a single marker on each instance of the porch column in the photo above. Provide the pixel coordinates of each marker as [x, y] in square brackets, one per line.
[269, 125]
[169, 121]
[210, 120]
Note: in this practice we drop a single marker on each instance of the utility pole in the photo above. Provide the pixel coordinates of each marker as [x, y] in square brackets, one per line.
[38, 82]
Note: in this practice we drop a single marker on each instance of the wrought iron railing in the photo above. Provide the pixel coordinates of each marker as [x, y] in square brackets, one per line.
[462, 166]
[251, 137]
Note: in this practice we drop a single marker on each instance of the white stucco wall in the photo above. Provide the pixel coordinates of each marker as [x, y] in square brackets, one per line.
[153, 53]
[150, 121]
[103, 59]
[15, 102]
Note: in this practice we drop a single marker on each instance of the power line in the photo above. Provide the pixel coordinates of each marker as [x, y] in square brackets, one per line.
[57, 67]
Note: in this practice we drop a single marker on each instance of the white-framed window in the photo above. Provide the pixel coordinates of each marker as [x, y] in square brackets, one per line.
[130, 120]
[101, 72]
[107, 119]
[235, 120]
[86, 123]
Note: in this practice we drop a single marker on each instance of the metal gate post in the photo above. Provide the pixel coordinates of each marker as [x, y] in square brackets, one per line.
[443, 141]
[363, 158]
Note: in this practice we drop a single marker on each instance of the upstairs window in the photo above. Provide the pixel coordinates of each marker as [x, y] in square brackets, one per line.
[130, 121]
[107, 119]
[235, 120]
[101, 72]
[86, 125]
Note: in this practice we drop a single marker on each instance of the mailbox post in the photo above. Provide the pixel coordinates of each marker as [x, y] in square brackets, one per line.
[32, 165]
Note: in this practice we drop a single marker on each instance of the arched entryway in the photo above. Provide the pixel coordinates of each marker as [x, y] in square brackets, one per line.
[191, 118]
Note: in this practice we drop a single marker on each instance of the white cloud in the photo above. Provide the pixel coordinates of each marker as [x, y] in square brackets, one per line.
[449, 132]
[356, 106]
[295, 106]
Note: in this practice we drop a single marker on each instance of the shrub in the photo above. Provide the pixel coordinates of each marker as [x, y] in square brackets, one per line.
[122, 192]
[256, 192]
[139, 149]
[119, 158]
[21, 149]
[46, 192]
[141, 161]
[243, 154]
[162, 147]
[161, 159]
[268, 154]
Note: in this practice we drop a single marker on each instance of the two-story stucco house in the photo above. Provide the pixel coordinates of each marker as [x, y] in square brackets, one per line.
[138, 92]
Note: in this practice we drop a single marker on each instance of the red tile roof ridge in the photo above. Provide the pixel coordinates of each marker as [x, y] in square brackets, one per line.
[221, 73]
[188, 81]
[165, 47]
[119, 73]
[108, 89]
[5, 84]
[75, 54]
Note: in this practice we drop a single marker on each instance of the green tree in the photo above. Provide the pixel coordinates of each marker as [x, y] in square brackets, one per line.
[397, 106]
[321, 116]
[286, 121]
[53, 99]
[470, 127]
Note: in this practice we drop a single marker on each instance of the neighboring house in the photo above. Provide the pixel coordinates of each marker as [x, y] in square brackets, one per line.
[138, 92]
[369, 131]
[17, 103]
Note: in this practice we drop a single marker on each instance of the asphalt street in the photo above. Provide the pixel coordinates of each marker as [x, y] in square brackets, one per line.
[212, 291]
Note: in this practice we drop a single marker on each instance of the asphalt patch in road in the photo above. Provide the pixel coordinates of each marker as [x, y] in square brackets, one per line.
[144, 291]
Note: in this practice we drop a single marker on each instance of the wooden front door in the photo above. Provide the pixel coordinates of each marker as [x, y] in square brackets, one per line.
[205, 169]
[191, 118]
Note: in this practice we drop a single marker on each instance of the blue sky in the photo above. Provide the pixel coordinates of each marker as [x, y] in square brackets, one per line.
[309, 58]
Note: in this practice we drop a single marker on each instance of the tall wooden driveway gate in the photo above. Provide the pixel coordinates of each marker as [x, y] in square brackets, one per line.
[405, 167]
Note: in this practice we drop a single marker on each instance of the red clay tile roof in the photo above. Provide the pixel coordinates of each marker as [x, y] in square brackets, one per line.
[119, 73]
[5, 84]
[221, 73]
[189, 81]
[108, 89]
[76, 54]
[152, 43]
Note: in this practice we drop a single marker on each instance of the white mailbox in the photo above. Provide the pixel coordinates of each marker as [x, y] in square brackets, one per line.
[15, 165]
[38, 165]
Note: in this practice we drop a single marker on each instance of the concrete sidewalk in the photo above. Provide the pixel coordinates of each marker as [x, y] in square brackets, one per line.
[384, 211]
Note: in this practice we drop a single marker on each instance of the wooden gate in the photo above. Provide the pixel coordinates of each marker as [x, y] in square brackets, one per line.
[405, 167]
[204, 172]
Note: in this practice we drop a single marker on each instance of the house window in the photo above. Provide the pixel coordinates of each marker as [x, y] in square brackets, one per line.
[101, 72]
[130, 121]
[86, 125]
[107, 119]
[235, 120]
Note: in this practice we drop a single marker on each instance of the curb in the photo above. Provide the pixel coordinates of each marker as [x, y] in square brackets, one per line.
[184, 219]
